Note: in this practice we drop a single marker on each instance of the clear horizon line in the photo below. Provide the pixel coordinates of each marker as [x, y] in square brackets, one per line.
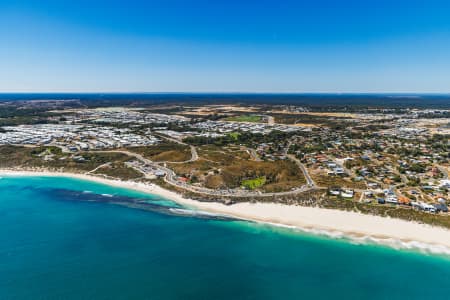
[230, 92]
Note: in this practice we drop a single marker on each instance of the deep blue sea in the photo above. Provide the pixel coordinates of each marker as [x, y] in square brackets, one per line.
[62, 238]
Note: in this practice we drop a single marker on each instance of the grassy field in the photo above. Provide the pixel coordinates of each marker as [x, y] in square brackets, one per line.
[252, 184]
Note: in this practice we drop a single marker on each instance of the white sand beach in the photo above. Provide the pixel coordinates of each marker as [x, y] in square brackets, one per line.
[393, 232]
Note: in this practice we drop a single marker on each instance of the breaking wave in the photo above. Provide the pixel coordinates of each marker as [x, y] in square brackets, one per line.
[426, 248]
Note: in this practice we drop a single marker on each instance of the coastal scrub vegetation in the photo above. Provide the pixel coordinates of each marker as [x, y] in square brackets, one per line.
[119, 170]
[172, 152]
[241, 138]
[228, 167]
[52, 158]
[244, 118]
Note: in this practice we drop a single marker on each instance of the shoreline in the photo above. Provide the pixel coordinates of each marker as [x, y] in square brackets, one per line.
[357, 227]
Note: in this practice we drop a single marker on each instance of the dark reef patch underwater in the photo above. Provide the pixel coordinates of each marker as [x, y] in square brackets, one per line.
[60, 239]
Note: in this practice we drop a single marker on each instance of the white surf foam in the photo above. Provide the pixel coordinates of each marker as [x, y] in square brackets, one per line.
[422, 247]
[189, 212]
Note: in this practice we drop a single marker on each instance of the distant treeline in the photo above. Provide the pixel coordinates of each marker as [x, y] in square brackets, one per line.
[275, 137]
[10, 116]
[346, 102]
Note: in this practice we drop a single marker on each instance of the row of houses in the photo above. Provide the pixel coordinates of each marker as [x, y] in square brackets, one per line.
[74, 137]
[228, 127]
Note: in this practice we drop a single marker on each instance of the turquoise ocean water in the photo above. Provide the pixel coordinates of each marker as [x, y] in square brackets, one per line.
[62, 238]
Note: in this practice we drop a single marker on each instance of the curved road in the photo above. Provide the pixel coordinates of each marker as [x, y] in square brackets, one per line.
[309, 180]
[171, 178]
[194, 154]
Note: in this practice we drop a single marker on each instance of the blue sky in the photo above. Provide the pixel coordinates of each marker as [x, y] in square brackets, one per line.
[224, 46]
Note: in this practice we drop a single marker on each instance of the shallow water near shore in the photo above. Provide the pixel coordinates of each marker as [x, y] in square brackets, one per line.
[64, 238]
